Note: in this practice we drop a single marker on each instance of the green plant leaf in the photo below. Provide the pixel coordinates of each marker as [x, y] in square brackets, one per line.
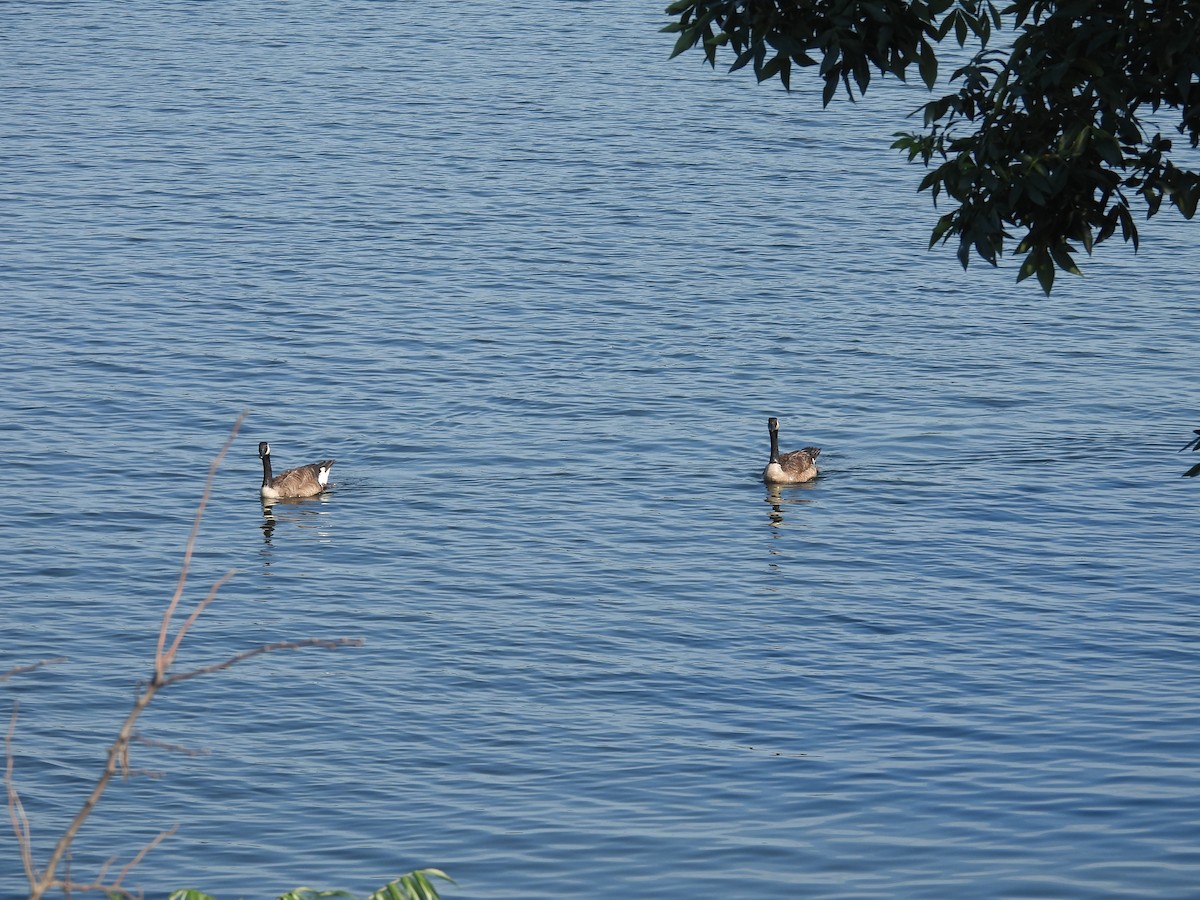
[960, 29]
[413, 886]
[928, 65]
[1064, 260]
[685, 41]
[1107, 147]
[1027, 267]
[1045, 275]
[771, 67]
[831, 84]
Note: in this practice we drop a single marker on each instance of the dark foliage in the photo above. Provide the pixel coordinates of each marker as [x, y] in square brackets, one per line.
[1049, 142]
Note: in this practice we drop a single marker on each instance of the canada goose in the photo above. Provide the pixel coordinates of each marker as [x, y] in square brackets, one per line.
[790, 468]
[304, 481]
[1193, 444]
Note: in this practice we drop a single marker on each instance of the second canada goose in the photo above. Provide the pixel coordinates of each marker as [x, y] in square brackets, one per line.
[303, 481]
[789, 468]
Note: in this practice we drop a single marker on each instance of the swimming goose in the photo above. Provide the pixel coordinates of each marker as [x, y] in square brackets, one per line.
[790, 468]
[304, 481]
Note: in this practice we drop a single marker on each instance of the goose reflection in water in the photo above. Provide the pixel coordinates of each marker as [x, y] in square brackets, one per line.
[780, 496]
[303, 512]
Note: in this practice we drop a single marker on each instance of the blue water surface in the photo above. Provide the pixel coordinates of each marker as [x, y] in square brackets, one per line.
[537, 288]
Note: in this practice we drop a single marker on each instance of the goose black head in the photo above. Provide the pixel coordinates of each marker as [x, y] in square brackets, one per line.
[264, 449]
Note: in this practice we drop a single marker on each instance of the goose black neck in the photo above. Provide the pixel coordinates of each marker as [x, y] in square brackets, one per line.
[774, 445]
[266, 458]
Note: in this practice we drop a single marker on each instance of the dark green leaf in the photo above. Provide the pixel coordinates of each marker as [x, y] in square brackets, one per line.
[945, 25]
[941, 229]
[1062, 257]
[1045, 276]
[1107, 147]
[771, 67]
[687, 40]
[928, 65]
[744, 57]
[831, 83]
[1027, 267]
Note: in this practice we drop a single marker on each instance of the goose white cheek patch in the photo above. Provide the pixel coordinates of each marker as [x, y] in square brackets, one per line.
[322, 476]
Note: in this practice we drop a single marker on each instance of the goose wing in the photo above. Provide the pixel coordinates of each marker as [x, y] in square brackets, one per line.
[302, 481]
[799, 460]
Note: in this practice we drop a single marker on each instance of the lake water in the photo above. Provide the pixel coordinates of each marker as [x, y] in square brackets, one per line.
[537, 289]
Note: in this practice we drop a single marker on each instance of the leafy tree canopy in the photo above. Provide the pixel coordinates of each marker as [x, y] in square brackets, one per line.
[1048, 142]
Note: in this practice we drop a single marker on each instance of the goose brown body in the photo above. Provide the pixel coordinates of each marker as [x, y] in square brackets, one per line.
[302, 481]
[789, 468]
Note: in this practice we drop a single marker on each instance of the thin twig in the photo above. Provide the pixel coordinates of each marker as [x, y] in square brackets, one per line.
[183, 630]
[170, 748]
[16, 809]
[115, 753]
[265, 648]
[119, 748]
[160, 663]
[129, 866]
[20, 670]
[104, 868]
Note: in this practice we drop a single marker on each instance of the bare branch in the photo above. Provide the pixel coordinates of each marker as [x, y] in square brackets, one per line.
[265, 648]
[212, 593]
[170, 748]
[21, 670]
[16, 810]
[160, 663]
[104, 868]
[116, 752]
[129, 866]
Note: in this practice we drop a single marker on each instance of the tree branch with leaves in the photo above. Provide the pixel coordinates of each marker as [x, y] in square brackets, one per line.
[1046, 147]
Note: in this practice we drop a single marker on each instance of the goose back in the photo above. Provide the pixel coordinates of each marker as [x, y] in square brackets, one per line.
[302, 481]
